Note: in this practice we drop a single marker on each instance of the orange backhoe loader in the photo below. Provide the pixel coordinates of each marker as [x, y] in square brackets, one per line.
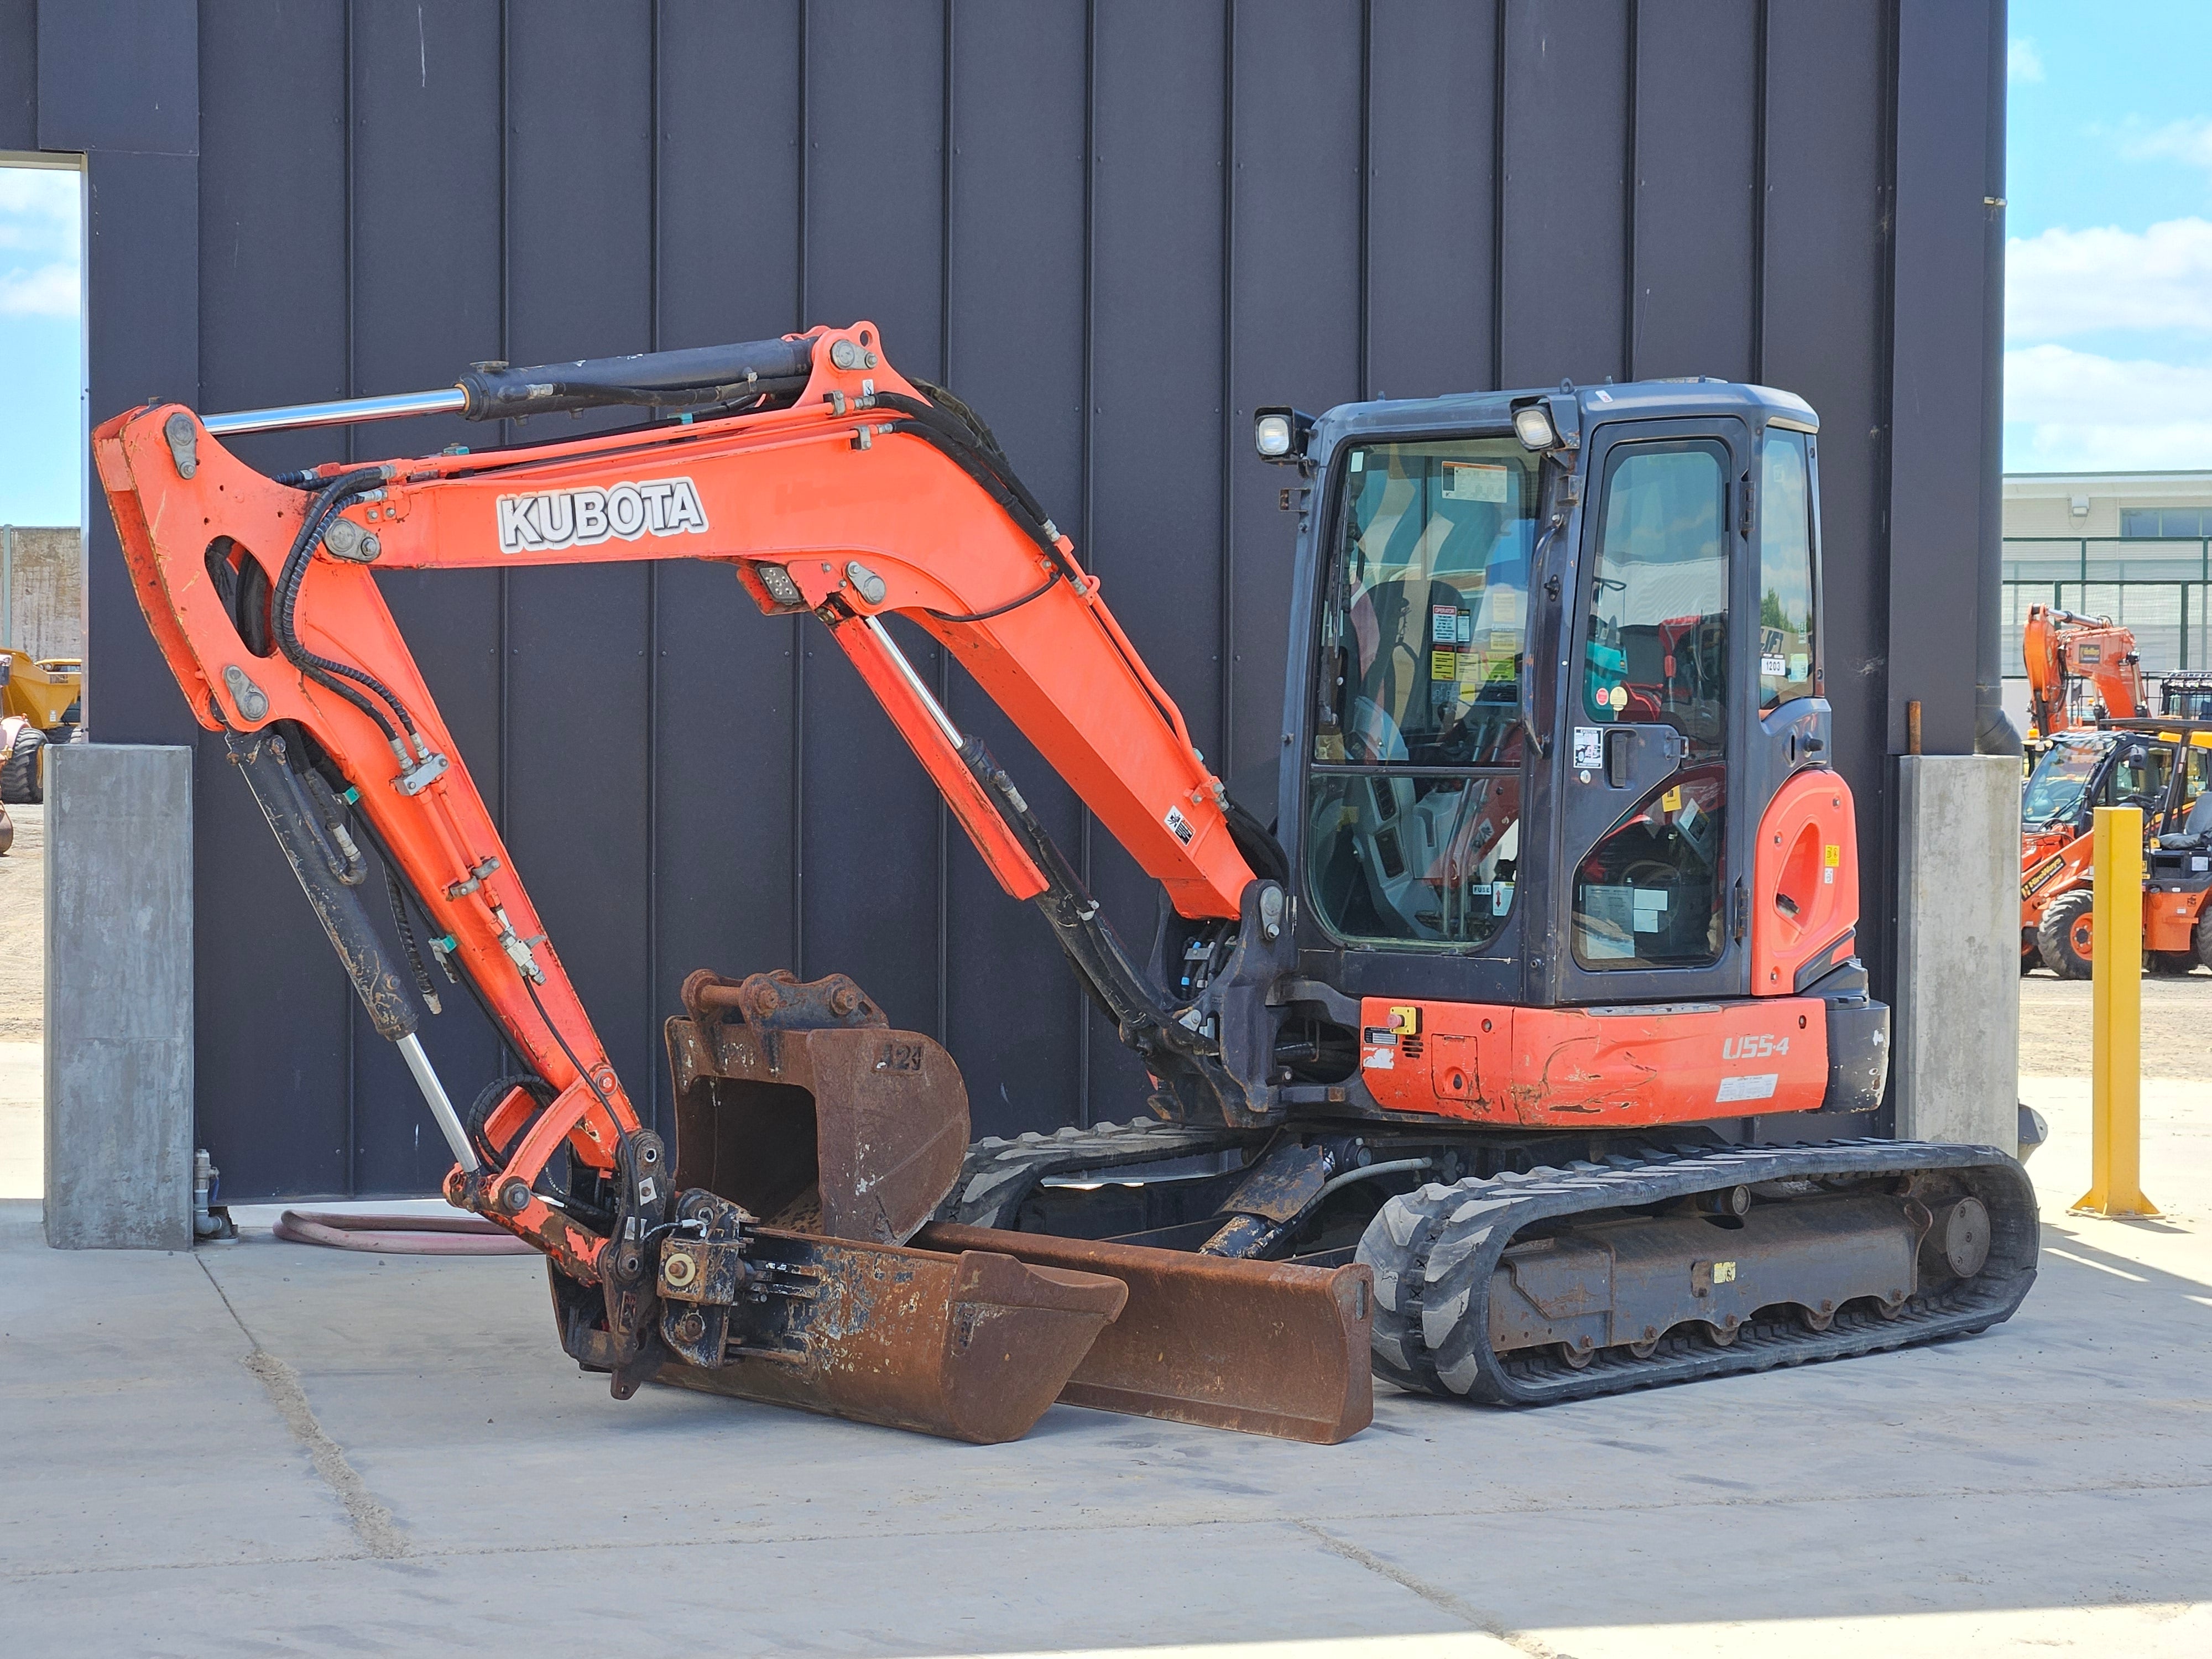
[2072, 660]
[1456, 1043]
[2162, 767]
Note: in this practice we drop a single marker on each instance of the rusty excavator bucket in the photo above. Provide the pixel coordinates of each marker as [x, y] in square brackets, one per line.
[813, 1144]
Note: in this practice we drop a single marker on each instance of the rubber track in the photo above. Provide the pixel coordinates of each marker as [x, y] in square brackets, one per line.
[999, 1175]
[1433, 1251]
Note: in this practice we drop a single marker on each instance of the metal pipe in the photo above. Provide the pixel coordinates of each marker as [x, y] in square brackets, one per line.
[914, 682]
[342, 411]
[449, 1121]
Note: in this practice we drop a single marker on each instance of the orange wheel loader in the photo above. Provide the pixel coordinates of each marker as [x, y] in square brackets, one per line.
[1456, 1033]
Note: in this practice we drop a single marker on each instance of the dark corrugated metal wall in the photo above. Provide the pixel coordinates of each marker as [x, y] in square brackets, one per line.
[1115, 228]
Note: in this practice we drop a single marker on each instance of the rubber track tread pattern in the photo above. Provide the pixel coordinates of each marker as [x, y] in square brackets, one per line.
[1435, 1248]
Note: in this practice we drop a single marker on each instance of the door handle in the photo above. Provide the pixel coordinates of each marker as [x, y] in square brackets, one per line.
[1619, 743]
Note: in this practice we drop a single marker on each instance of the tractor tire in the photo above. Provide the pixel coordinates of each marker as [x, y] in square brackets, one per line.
[2204, 934]
[2064, 935]
[2170, 964]
[21, 783]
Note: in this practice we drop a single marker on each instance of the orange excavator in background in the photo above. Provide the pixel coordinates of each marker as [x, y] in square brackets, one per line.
[1455, 1042]
[2071, 660]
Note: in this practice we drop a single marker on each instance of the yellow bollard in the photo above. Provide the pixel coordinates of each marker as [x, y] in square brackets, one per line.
[2116, 1019]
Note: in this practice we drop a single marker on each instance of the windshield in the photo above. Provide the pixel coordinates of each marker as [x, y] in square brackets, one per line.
[1424, 606]
[2061, 779]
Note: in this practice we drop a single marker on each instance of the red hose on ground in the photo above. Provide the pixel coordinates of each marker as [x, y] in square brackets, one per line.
[399, 1235]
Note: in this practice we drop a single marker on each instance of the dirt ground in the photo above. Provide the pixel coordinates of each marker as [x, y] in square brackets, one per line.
[2177, 1026]
[23, 927]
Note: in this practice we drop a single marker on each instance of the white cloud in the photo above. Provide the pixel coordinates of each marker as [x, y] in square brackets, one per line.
[2189, 141]
[2074, 281]
[44, 291]
[38, 252]
[2068, 410]
[2022, 61]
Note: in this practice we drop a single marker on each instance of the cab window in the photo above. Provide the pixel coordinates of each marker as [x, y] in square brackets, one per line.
[1786, 665]
[1423, 619]
[1656, 651]
[1413, 810]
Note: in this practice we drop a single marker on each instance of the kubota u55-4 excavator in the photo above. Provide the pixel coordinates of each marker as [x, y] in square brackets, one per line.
[1559, 892]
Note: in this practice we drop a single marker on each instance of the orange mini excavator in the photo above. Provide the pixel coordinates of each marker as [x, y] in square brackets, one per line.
[2067, 656]
[1459, 1043]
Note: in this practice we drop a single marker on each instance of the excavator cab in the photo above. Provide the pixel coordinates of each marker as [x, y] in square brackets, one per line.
[1549, 704]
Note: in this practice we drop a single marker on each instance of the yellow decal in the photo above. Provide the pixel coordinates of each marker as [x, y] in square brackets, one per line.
[1833, 854]
[1407, 1022]
[1672, 800]
[1444, 664]
[1724, 1272]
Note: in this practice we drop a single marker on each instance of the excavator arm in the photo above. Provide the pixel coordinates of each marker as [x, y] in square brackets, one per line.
[2067, 656]
[831, 485]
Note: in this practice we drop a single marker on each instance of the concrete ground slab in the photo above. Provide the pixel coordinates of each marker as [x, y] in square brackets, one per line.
[267, 1448]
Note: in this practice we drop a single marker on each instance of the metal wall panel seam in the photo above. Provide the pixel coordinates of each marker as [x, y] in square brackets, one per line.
[1366, 200]
[655, 1077]
[1878, 547]
[507, 352]
[797, 623]
[1225, 646]
[1498, 200]
[943, 659]
[1083, 1012]
[1632, 75]
[346, 147]
[1759, 121]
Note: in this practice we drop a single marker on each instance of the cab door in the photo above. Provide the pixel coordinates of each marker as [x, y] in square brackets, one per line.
[1657, 712]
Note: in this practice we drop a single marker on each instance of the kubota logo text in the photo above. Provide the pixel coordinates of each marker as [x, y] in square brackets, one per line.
[580, 518]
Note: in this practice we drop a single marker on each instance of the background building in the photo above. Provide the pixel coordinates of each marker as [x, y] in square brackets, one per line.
[42, 589]
[2133, 546]
[1115, 228]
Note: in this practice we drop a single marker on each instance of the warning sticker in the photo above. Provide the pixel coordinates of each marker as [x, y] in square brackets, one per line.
[1179, 825]
[1760, 1087]
[1590, 745]
[1473, 481]
[1444, 663]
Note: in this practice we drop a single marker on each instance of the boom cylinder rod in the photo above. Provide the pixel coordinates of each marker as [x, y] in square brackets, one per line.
[342, 411]
[449, 1121]
[914, 682]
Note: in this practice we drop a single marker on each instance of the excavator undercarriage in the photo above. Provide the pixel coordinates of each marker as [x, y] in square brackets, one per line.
[1462, 1045]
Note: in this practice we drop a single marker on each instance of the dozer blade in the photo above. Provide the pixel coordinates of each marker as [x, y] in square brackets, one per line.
[1264, 1347]
[800, 1103]
[972, 1346]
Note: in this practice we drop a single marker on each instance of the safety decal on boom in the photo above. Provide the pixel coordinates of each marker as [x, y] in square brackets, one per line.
[554, 518]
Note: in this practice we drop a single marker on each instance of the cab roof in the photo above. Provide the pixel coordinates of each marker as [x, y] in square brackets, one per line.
[1493, 411]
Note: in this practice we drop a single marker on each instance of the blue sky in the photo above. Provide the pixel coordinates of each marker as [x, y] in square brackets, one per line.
[42, 450]
[2108, 315]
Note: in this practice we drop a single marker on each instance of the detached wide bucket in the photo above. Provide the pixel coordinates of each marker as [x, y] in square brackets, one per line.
[972, 1346]
[1263, 1347]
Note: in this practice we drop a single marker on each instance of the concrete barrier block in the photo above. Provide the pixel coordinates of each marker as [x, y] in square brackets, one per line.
[118, 1018]
[1957, 1054]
